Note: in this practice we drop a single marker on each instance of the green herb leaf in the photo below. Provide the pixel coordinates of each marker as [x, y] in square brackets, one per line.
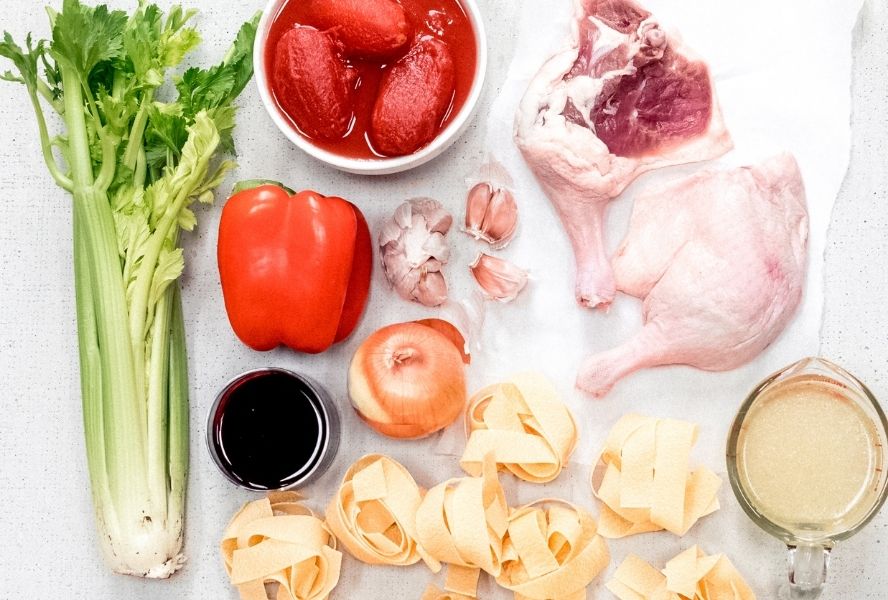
[180, 184]
[170, 265]
[210, 90]
[167, 133]
[213, 181]
[53, 75]
[153, 45]
[84, 36]
[141, 41]
[240, 57]
[25, 61]
[223, 117]
[203, 89]
[206, 89]
[177, 40]
[130, 214]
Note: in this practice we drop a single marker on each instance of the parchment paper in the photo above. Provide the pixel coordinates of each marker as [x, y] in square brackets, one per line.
[782, 73]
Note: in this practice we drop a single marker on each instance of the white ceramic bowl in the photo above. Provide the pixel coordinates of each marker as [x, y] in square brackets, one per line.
[373, 166]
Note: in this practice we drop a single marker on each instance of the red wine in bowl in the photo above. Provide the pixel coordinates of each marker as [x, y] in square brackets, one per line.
[272, 429]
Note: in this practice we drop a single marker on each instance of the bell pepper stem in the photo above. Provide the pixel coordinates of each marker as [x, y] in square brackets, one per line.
[249, 184]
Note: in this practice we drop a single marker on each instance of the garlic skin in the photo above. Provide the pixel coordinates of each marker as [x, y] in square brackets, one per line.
[491, 214]
[467, 315]
[501, 280]
[413, 247]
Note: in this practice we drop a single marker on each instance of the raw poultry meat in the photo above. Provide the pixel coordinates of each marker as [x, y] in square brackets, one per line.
[719, 259]
[625, 97]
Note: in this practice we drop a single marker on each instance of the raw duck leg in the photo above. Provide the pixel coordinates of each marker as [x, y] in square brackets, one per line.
[719, 259]
[625, 97]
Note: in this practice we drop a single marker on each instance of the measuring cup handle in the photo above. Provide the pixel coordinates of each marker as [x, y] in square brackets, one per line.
[808, 564]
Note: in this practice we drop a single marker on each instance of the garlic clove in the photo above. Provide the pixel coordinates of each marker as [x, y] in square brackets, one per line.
[491, 214]
[436, 247]
[414, 239]
[500, 279]
[476, 206]
[433, 265]
[501, 220]
[403, 216]
[439, 221]
[431, 289]
[390, 233]
[403, 276]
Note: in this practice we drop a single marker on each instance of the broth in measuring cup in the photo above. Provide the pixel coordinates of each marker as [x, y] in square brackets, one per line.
[809, 457]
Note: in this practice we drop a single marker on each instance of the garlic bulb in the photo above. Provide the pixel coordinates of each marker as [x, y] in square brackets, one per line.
[500, 279]
[491, 214]
[414, 250]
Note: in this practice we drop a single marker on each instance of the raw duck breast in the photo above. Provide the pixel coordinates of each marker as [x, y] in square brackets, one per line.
[625, 97]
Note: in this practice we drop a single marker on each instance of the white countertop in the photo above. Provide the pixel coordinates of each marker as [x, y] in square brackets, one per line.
[49, 547]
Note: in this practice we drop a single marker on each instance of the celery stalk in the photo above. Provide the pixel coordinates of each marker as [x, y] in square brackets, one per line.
[177, 440]
[134, 166]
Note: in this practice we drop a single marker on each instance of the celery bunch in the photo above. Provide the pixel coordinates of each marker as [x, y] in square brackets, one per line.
[134, 164]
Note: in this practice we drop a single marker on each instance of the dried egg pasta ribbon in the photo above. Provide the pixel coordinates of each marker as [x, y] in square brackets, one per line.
[524, 424]
[433, 593]
[637, 580]
[644, 480]
[374, 513]
[692, 575]
[276, 539]
[462, 580]
[551, 550]
[462, 521]
[461, 584]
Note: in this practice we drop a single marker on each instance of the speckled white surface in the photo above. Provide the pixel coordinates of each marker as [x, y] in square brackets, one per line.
[49, 544]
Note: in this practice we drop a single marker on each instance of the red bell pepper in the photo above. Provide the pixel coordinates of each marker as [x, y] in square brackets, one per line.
[295, 267]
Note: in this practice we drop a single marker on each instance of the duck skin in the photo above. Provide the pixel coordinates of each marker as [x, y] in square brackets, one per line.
[719, 259]
[623, 98]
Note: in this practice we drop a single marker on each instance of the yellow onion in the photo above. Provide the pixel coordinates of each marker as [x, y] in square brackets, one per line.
[407, 380]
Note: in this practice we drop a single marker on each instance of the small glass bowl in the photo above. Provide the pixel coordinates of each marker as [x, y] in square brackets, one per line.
[328, 426]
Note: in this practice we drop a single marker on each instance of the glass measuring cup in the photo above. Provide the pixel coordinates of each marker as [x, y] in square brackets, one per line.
[806, 459]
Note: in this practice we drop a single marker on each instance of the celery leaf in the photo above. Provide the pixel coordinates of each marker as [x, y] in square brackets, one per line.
[25, 61]
[206, 89]
[84, 36]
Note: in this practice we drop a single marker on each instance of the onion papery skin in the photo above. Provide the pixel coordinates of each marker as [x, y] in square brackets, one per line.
[407, 381]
